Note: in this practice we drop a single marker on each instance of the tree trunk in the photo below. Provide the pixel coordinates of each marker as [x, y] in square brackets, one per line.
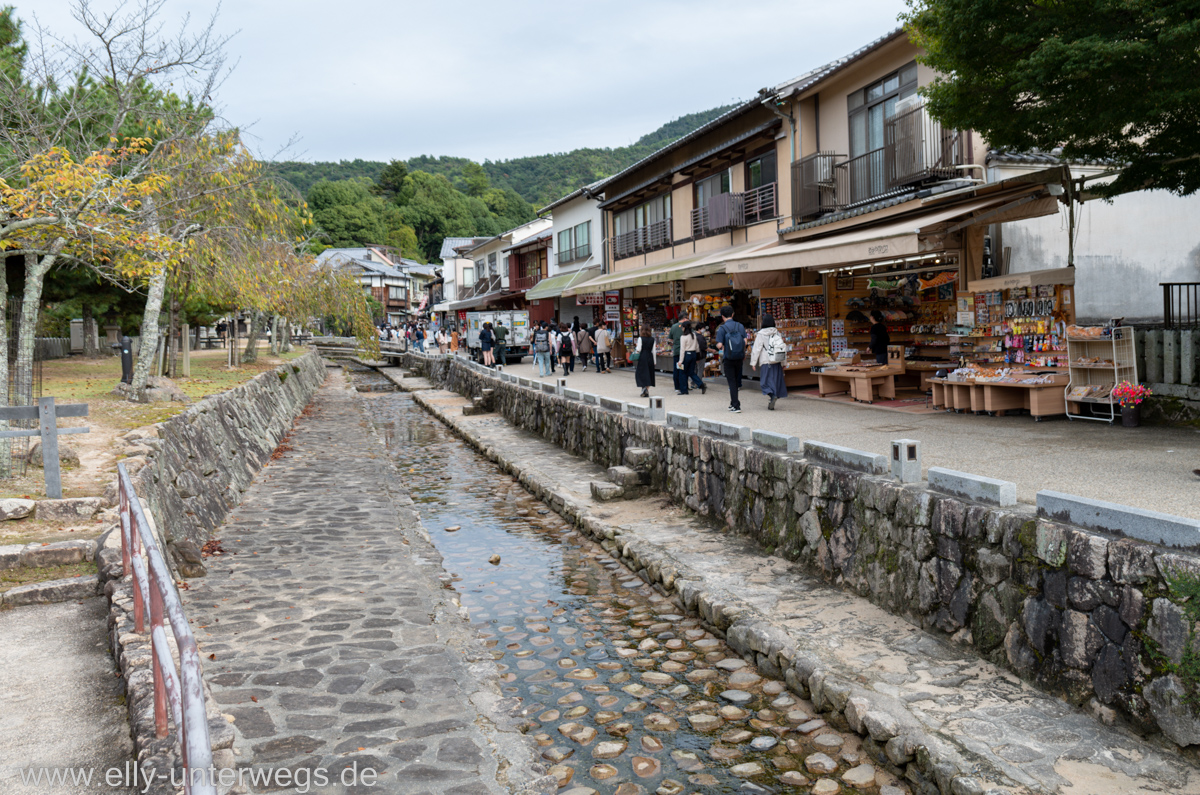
[256, 326]
[172, 368]
[275, 335]
[150, 335]
[91, 342]
[35, 275]
[285, 344]
[5, 444]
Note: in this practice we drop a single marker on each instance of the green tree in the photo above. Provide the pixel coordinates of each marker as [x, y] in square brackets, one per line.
[1108, 79]
[390, 182]
[475, 179]
[347, 213]
[12, 46]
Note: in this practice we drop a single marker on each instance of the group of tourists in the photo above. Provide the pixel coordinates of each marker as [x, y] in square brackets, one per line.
[689, 350]
[493, 343]
[564, 345]
[413, 333]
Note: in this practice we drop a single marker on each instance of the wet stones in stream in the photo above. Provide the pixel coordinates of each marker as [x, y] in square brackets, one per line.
[622, 692]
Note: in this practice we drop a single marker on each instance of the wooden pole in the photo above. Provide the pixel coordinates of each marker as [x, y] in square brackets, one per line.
[185, 342]
[46, 425]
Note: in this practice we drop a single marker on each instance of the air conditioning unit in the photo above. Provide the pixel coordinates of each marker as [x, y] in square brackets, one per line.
[907, 104]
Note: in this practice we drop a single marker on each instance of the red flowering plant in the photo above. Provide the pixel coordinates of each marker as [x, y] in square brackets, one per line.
[1129, 395]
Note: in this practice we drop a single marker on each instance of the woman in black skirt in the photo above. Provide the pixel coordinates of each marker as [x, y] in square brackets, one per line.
[645, 350]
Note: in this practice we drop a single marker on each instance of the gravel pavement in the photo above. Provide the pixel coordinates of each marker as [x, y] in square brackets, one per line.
[1148, 467]
[61, 699]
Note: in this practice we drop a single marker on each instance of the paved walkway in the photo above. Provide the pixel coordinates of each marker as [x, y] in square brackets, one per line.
[328, 639]
[60, 699]
[1146, 467]
[1015, 735]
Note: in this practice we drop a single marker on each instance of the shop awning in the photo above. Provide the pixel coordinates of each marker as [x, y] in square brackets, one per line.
[1026, 279]
[476, 301]
[555, 285]
[675, 270]
[882, 242]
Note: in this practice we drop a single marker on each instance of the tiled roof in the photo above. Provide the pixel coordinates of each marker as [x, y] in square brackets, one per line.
[811, 78]
[451, 243]
[593, 188]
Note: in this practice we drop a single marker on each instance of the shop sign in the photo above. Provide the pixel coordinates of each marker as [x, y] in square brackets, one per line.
[675, 290]
[1029, 307]
[612, 298]
[591, 299]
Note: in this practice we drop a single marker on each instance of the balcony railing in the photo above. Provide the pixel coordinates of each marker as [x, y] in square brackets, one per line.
[1181, 304]
[916, 150]
[814, 185]
[920, 149]
[525, 281]
[733, 210]
[646, 238]
[572, 254]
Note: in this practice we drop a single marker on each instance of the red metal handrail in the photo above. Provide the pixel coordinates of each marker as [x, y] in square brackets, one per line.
[182, 689]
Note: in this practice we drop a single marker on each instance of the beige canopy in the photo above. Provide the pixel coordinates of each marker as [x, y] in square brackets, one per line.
[1026, 279]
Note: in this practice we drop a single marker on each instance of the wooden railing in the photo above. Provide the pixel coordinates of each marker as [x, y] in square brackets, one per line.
[646, 238]
[525, 281]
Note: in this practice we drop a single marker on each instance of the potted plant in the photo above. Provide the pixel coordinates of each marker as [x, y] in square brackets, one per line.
[1129, 396]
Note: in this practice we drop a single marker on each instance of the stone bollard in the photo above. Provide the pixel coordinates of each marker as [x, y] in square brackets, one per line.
[658, 412]
[906, 460]
[559, 385]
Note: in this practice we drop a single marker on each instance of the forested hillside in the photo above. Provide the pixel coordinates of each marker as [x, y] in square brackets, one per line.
[539, 179]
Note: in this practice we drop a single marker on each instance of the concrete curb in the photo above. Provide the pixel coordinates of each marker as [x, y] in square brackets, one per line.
[923, 759]
[39, 593]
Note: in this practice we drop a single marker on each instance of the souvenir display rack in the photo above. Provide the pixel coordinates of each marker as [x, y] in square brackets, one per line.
[1100, 358]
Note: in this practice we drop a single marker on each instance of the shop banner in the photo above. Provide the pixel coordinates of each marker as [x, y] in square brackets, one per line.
[612, 306]
[591, 299]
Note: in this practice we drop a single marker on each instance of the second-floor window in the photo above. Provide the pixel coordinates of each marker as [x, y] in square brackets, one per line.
[396, 293]
[760, 171]
[481, 268]
[869, 107]
[712, 186]
[575, 243]
[644, 214]
[492, 264]
[468, 276]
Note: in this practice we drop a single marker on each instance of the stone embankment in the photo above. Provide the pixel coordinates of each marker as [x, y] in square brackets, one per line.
[1102, 621]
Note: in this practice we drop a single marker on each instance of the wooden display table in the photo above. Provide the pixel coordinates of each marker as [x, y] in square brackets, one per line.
[1000, 397]
[861, 382]
[801, 374]
[956, 395]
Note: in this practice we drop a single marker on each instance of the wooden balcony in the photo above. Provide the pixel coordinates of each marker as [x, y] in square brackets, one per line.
[651, 237]
[917, 150]
[525, 281]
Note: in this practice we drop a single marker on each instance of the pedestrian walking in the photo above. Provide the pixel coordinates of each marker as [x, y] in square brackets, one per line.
[731, 342]
[603, 345]
[454, 340]
[566, 347]
[443, 342]
[419, 336]
[486, 341]
[677, 377]
[542, 349]
[880, 339]
[585, 347]
[645, 353]
[770, 353]
[500, 347]
[689, 353]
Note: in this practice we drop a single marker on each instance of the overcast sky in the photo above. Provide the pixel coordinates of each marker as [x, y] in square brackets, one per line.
[495, 79]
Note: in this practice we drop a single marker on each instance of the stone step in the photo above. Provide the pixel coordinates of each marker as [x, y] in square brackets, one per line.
[625, 476]
[37, 593]
[640, 458]
[475, 409]
[606, 492]
[41, 556]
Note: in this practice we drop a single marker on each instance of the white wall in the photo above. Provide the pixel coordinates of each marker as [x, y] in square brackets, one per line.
[567, 216]
[1123, 250]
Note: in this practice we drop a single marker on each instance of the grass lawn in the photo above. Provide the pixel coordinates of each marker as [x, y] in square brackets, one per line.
[79, 380]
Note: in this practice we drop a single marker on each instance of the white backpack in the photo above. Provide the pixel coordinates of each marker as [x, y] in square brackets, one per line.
[776, 349]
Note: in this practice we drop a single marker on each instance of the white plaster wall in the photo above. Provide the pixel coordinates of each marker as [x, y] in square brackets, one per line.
[568, 215]
[1124, 249]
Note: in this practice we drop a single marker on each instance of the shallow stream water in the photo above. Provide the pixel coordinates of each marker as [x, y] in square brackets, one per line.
[623, 692]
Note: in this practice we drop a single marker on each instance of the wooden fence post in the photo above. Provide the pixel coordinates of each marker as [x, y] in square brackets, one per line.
[46, 424]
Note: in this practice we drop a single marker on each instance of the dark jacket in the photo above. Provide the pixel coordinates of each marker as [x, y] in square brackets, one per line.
[880, 340]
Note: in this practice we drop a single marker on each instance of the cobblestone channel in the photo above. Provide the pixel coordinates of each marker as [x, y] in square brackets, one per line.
[621, 690]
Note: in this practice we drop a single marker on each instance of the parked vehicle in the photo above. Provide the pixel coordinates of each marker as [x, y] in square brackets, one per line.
[517, 323]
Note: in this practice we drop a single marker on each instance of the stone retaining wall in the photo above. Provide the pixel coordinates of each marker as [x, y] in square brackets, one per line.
[1102, 621]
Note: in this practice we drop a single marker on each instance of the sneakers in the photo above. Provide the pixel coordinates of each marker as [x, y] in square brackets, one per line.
[735, 409]
[771, 404]
[645, 393]
[703, 388]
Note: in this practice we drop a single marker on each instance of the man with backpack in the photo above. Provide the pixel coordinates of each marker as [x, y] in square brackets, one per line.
[731, 342]
[499, 335]
[541, 349]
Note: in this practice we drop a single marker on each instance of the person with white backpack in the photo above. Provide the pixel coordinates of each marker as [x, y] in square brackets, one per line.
[770, 353]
